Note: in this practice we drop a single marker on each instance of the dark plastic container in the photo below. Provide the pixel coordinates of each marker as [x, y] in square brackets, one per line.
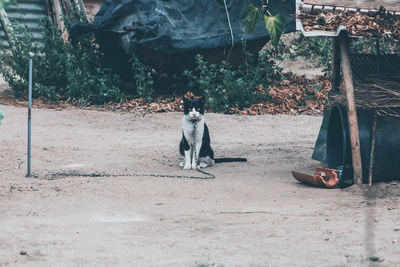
[386, 166]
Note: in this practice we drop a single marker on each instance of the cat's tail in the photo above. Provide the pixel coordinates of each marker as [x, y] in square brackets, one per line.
[220, 160]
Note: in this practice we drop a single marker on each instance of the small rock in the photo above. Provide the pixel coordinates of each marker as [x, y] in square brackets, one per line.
[22, 252]
[375, 259]
[56, 188]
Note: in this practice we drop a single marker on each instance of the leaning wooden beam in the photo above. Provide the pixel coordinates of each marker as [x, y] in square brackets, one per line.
[82, 8]
[49, 9]
[8, 29]
[59, 20]
[372, 153]
[351, 106]
[66, 5]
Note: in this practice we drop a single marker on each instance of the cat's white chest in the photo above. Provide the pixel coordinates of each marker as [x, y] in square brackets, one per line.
[193, 131]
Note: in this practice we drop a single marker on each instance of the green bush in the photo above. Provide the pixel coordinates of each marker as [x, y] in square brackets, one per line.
[143, 79]
[368, 46]
[319, 48]
[225, 87]
[62, 71]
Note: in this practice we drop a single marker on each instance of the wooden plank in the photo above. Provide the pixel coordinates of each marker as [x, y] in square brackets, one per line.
[66, 5]
[82, 9]
[7, 27]
[344, 45]
[372, 153]
[59, 19]
[369, 4]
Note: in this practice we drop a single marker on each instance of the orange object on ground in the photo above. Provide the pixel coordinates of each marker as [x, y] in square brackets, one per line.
[323, 177]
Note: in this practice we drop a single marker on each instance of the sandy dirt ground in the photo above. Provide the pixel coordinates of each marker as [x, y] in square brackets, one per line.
[251, 214]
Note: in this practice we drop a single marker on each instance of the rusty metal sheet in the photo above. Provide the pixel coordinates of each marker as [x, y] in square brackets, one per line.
[29, 13]
[393, 5]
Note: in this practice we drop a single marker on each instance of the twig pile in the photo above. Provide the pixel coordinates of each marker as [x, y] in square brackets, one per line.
[383, 24]
[383, 97]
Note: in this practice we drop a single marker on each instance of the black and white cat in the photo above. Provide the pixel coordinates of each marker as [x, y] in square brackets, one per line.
[196, 137]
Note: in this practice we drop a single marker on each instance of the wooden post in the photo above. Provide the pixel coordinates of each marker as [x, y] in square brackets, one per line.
[351, 106]
[372, 153]
[8, 29]
[335, 80]
[49, 10]
[82, 9]
[66, 6]
[59, 19]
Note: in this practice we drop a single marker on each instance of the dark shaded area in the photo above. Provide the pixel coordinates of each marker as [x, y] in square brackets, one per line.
[386, 165]
[168, 34]
[333, 142]
[171, 27]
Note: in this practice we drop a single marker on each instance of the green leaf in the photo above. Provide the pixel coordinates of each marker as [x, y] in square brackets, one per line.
[274, 25]
[251, 16]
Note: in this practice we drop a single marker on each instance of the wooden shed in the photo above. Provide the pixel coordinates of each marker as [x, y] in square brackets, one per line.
[342, 20]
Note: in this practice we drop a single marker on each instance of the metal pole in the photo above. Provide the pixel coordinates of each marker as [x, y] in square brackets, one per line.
[372, 153]
[29, 113]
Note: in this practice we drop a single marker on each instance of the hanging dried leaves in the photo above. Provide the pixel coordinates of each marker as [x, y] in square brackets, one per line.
[382, 24]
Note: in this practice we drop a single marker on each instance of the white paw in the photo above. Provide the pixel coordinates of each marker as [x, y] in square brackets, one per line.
[182, 164]
[203, 165]
[194, 166]
[187, 167]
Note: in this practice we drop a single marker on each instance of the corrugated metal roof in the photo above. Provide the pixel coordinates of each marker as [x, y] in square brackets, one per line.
[29, 13]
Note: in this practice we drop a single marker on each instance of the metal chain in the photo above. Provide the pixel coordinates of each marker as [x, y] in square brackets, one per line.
[210, 175]
[54, 176]
[194, 145]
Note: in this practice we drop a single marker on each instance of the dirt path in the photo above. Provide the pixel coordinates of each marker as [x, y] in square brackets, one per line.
[252, 214]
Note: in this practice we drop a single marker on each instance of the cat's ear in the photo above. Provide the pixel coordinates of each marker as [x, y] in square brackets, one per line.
[188, 96]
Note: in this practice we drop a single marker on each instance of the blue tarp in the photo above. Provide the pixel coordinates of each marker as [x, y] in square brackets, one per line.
[175, 26]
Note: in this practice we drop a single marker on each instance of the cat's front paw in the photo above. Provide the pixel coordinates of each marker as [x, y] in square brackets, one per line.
[194, 166]
[187, 167]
